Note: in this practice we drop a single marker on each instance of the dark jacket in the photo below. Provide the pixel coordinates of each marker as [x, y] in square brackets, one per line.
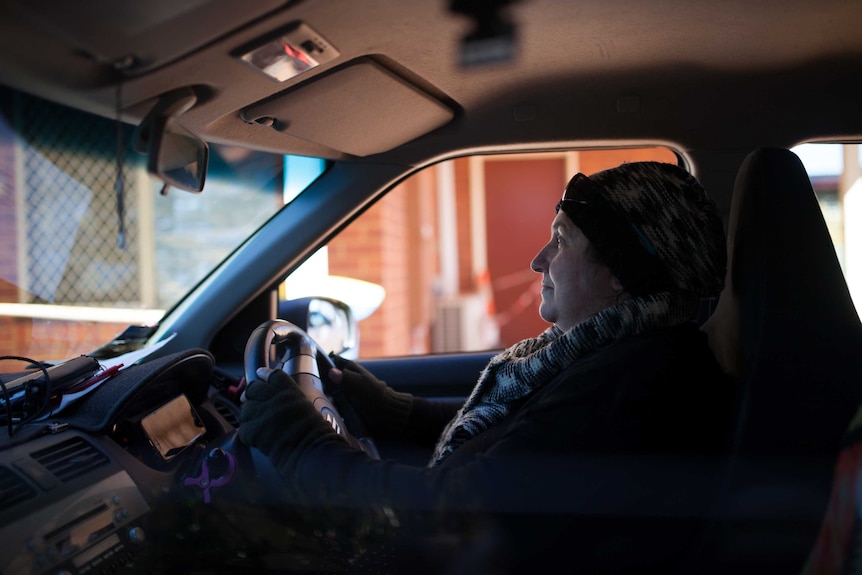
[610, 466]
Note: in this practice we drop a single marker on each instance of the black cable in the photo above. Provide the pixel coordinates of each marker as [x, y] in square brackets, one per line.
[24, 418]
[119, 184]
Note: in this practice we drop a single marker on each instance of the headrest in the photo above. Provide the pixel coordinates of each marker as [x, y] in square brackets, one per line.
[785, 322]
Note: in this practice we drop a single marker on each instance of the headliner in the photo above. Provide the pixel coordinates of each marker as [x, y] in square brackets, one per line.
[695, 75]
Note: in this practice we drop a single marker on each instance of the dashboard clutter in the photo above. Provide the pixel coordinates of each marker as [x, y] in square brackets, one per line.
[111, 390]
[28, 394]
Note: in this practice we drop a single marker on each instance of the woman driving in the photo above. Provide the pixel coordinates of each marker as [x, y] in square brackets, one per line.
[598, 439]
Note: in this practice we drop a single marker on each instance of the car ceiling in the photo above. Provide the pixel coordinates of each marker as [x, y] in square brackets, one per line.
[696, 75]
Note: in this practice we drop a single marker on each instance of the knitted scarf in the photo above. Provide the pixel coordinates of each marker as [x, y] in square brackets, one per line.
[531, 363]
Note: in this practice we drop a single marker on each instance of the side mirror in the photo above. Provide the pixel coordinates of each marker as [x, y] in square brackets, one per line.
[329, 322]
[174, 155]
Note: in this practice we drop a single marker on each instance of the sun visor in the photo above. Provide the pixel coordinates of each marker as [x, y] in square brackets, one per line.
[360, 109]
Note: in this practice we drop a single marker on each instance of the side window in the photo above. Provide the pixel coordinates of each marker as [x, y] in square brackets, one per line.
[442, 262]
[835, 173]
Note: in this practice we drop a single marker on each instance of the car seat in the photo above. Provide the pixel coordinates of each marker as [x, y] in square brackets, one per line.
[786, 327]
[838, 548]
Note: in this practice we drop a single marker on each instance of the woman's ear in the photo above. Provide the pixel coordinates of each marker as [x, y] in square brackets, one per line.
[616, 284]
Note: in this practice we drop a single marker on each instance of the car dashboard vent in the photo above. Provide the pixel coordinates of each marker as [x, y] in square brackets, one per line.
[13, 489]
[227, 411]
[70, 459]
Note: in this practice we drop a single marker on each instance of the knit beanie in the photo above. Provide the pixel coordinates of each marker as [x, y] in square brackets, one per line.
[653, 225]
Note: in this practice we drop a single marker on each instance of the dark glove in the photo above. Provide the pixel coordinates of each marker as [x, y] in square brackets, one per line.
[279, 420]
[383, 410]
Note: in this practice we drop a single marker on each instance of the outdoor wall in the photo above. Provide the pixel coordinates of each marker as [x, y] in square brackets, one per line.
[394, 244]
[522, 190]
[525, 189]
[467, 278]
[57, 339]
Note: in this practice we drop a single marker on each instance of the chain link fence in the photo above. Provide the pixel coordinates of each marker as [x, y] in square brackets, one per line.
[74, 251]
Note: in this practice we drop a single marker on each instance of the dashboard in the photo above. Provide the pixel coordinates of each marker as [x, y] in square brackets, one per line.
[96, 489]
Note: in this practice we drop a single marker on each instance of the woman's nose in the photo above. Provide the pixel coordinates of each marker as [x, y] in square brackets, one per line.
[538, 263]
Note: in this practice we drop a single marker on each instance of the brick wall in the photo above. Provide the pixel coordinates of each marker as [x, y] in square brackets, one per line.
[423, 259]
[55, 339]
[394, 244]
[467, 281]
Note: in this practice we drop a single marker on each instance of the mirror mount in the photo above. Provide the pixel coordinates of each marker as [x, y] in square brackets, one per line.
[174, 155]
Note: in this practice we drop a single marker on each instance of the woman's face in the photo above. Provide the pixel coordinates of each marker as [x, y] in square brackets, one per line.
[575, 286]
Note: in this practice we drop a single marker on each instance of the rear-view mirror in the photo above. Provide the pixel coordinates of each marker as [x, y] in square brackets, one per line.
[176, 156]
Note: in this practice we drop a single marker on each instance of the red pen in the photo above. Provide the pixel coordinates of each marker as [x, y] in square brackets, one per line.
[101, 376]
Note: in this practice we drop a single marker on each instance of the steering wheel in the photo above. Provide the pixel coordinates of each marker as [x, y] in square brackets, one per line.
[279, 344]
[231, 487]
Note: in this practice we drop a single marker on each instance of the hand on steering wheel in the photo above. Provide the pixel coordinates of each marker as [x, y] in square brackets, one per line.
[280, 347]
[277, 419]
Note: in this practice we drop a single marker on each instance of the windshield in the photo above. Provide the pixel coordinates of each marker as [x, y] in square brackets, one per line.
[91, 246]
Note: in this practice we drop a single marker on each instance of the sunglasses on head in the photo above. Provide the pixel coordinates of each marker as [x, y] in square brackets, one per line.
[581, 191]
